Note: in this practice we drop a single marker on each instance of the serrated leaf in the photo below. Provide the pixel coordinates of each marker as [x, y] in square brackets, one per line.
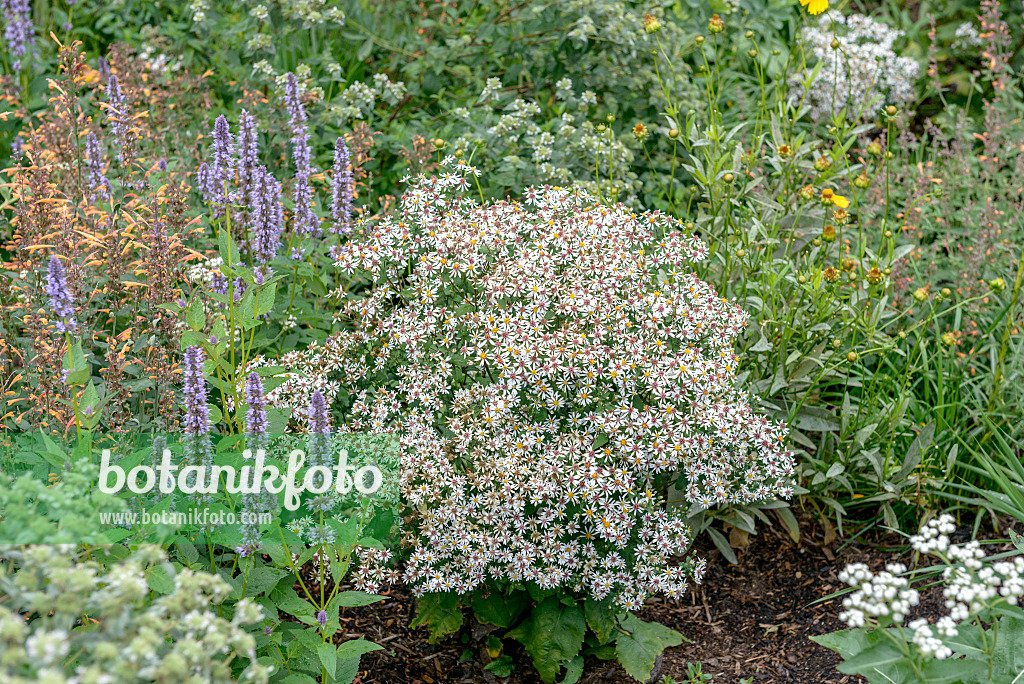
[495, 608]
[356, 647]
[601, 618]
[349, 599]
[328, 656]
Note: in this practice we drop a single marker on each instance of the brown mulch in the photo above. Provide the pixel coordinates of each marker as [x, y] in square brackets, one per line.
[747, 621]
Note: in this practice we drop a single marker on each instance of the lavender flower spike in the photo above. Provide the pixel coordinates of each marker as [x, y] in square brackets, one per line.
[223, 166]
[319, 420]
[197, 413]
[20, 32]
[61, 301]
[341, 188]
[266, 215]
[248, 148]
[256, 418]
[117, 114]
[293, 101]
[98, 182]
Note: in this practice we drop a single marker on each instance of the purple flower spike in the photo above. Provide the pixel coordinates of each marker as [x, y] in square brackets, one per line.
[266, 215]
[341, 188]
[20, 32]
[321, 618]
[248, 149]
[117, 114]
[256, 419]
[293, 101]
[223, 167]
[319, 420]
[197, 413]
[98, 182]
[61, 301]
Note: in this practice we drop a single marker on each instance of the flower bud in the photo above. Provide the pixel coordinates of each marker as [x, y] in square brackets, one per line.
[874, 149]
[890, 110]
[828, 233]
[851, 356]
[673, 133]
[752, 52]
[862, 181]
[831, 274]
[874, 275]
[835, 44]
[716, 25]
[921, 294]
[945, 292]
[601, 128]
[836, 344]
[610, 118]
[728, 178]
[438, 144]
[740, 253]
[807, 192]
[651, 24]
[640, 132]
[802, 279]
[997, 284]
[700, 41]
[948, 339]
[822, 164]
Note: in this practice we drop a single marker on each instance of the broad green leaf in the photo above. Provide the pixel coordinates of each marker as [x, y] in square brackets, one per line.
[552, 634]
[348, 599]
[639, 649]
[601, 618]
[439, 612]
[495, 608]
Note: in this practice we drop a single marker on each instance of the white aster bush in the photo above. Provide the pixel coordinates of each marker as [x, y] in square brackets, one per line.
[558, 366]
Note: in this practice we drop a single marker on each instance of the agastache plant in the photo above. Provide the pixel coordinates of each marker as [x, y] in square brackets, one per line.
[341, 188]
[222, 163]
[117, 114]
[306, 221]
[266, 215]
[98, 182]
[559, 365]
[19, 31]
[256, 424]
[196, 422]
[248, 152]
[61, 301]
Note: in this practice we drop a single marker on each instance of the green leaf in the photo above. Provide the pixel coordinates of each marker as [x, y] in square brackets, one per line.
[328, 658]
[601, 618]
[493, 607]
[356, 648]
[196, 315]
[439, 612]
[501, 667]
[262, 579]
[76, 366]
[265, 299]
[639, 649]
[1017, 540]
[160, 580]
[348, 599]
[881, 656]
[573, 671]
[552, 634]
[917, 448]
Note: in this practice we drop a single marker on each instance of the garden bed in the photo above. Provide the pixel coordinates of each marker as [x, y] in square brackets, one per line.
[750, 620]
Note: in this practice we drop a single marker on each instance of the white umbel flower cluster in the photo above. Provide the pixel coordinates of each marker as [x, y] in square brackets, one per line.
[862, 76]
[972, 585]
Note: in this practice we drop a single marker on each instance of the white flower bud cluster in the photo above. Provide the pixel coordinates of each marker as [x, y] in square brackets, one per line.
[885, 595]
[932, 537]
[926, 639]
[972, 585]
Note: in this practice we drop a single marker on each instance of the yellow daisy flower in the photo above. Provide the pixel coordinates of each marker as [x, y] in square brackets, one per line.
[815, 6]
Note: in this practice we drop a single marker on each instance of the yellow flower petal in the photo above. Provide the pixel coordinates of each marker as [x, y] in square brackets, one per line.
[817, 6]
[840, 201]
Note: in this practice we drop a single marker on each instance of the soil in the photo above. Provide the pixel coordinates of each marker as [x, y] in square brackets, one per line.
[748, 622]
